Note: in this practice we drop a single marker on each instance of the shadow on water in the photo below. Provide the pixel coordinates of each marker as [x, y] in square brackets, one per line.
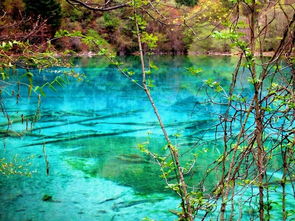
[116, 158]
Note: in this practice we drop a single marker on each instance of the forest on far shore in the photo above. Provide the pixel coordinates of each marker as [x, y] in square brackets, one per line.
[175, 27]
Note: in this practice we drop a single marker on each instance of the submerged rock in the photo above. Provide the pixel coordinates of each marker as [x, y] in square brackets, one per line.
[188, 103]
[131, 158]
[47, 198]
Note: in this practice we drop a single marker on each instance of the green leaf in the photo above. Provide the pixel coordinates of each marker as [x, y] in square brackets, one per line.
[36, 88]
[149, 83]
[30, 90]
[3, 75]
[153, 66]
[194, 70]
[40, 90]
[52, 87]
[150, 39]
[29, 74]
[130, 73]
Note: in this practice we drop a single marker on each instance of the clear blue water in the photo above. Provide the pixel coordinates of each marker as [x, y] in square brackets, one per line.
[90, 130]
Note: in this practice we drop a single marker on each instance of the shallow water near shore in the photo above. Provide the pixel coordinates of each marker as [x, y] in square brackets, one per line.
[90, 131]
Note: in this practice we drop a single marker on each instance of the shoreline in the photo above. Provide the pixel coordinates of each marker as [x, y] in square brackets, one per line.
[92, 54]
[89, 54]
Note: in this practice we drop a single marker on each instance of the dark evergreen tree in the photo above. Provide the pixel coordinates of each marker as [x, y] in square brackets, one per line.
[47, 9]
[189, 3]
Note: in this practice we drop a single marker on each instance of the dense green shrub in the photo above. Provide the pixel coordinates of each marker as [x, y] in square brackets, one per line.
[189, 3]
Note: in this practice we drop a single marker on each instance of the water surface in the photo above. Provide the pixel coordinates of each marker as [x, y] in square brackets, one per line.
[90, 130]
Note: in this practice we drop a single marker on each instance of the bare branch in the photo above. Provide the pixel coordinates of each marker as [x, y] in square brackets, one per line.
[103, 8]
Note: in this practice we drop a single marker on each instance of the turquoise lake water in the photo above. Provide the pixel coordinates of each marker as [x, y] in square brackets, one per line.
[90, 130]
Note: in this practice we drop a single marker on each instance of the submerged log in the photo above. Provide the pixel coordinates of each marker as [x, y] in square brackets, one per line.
[111, 199]
[67, 134]
[85, 137]
[12, 133]
[127, 204]
[86, 120]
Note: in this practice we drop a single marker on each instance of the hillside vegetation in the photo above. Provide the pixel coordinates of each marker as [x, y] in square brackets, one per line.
[175, 27]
